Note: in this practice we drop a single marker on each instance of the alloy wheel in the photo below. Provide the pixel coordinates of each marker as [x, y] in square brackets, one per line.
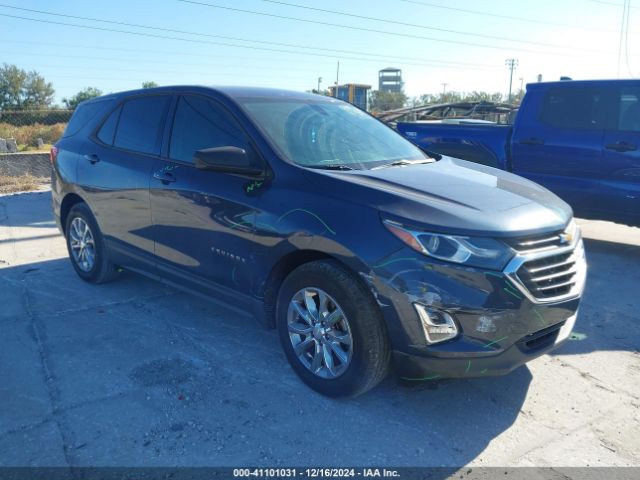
[82, 244]
[319, 332]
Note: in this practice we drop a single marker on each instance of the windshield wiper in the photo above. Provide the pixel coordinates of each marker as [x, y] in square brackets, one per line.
[331, 167]
[402, 162]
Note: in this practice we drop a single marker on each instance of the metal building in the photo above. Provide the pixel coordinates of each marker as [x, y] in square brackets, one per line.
[390, 80]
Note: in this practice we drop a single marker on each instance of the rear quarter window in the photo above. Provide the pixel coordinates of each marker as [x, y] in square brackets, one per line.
[108, 129]
[84, 114]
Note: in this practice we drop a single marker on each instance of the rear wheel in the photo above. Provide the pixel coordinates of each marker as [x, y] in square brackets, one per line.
[332, 330]
[85, 244]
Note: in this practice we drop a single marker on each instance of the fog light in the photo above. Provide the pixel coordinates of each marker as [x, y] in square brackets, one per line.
[438, 325]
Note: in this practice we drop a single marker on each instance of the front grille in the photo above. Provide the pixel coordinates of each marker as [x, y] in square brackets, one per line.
[549, 267]
[549, 276]
[539, 242]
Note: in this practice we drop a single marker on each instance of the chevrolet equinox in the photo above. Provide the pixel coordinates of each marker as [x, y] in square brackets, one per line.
[361, 249]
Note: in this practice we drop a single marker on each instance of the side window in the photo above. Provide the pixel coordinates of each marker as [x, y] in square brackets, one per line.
[629, 113]
[108, 129]
[574, 107]
[140, 124]
[199, 123]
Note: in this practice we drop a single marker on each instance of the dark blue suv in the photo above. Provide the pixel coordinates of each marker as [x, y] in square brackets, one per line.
[360, 248]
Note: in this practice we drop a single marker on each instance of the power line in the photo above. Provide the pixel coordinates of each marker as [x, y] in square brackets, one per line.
[152, 62]
[135, 51]
[497, 15]
[209, 56]
[626, 38]
[130, 83]
[382, 32]
[615, 4]
[14, 52]
[622, 25]
[404, 24]
[249, 47]
[291, 45]
[164, 71]
[130, 60]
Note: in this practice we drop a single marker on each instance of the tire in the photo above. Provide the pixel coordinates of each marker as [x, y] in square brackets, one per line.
[100, 269]
[358, 332]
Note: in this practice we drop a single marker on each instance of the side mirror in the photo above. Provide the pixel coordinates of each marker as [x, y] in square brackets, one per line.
[225, 159]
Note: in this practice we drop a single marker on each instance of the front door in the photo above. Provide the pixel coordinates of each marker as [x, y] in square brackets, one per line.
[203, 220]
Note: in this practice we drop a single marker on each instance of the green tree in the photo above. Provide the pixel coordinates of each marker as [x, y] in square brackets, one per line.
[448, 97]
[22, 90]
[454, 97]
[484, 97]
[84, 94]
[383, 101]
[426, 99]
[149, 84]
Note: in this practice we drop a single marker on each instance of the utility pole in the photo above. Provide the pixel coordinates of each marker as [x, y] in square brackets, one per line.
[511, 63]
[337, 78]
[444, 90]
[521, 92]
[319, 82]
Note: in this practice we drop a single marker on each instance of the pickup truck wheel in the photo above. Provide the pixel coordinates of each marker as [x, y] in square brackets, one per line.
[85, 244]
[332, 330]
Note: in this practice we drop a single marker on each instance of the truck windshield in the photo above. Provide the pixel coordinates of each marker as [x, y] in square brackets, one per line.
[328, 134]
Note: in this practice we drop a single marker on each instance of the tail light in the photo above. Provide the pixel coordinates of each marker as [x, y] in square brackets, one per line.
[53, 154]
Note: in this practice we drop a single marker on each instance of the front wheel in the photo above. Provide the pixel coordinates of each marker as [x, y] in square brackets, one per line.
[332, 330]
[87, 251]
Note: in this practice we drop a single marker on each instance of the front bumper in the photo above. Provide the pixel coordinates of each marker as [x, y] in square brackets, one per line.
[419, 368]
[500, 327]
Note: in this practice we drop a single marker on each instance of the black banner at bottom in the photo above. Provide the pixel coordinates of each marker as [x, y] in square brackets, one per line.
[400, 473]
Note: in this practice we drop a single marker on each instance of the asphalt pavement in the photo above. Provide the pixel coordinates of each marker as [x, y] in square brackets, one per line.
[134, 373]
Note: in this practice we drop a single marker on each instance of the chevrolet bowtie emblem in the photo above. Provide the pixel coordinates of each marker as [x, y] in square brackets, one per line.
[566, 237]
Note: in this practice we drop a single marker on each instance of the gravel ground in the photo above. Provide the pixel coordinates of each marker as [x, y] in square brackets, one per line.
[135, 373]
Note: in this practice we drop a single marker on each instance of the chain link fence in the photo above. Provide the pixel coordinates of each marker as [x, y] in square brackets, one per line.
[31, 130]
[32, 164]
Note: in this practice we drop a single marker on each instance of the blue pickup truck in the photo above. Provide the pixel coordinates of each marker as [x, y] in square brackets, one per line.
[579, 139]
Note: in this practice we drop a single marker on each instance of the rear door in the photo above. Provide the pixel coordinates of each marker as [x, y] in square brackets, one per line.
[620, 192]
[558, 139]
[115, 173]
[203, 220]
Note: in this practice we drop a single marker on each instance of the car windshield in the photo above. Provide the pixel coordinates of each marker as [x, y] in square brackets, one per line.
[328, 134]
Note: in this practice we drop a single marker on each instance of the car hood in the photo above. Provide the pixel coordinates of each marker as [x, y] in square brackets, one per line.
[456, 196]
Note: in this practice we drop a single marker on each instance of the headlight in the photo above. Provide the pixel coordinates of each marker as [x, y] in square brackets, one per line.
[473, 251]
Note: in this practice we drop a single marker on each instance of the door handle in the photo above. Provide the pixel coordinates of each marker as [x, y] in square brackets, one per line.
[621, 146]
[92, 158]
[531, 141]
[165, 177]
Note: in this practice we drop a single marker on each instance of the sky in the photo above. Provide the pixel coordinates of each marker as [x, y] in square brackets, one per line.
[461, 43]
